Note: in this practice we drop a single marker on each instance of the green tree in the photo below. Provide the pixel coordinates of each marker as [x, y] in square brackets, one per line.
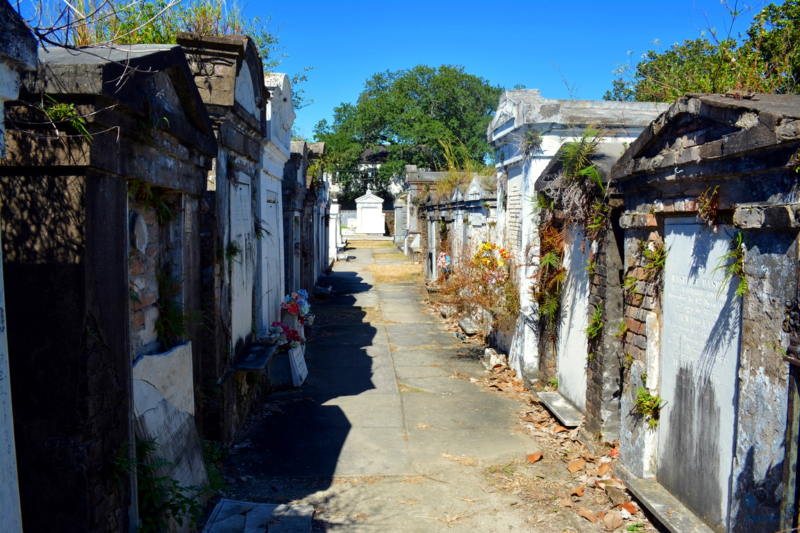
[766, 59]
[408, 112]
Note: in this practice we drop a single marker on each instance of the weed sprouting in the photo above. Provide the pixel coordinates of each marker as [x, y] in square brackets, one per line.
[732, 265]
[62, 112]
[161, 498]
[648, 406]
[173, 322]
[232, 251]
[148, 196]
[595, 325]
[707, 205]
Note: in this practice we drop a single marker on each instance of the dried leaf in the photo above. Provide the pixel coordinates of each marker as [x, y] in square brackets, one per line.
[566, 502]
[577, 464]
[534, 457]
[528, 419]
[559, 429]
[577, 492]
[587, 514]
[612, 520]
[573, 456]
[630, 507]
[604, 468]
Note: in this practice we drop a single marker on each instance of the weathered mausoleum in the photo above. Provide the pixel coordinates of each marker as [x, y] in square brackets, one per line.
[711, 263]
[101, 259]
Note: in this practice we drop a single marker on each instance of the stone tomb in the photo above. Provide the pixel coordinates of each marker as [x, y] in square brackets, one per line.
[700, 346]
[369, 214]
[163, 397]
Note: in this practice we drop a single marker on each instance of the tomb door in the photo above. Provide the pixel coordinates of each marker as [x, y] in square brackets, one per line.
[242, 263]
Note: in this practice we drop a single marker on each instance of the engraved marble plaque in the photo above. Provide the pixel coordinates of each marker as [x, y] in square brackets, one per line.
[699, 363]
[297, 360]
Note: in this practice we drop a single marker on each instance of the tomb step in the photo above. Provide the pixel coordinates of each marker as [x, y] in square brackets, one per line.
[234, 516]
[667, 509]
[468, 326]
[566, 413]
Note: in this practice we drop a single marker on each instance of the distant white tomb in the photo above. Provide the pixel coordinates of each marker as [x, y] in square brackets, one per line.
[369, 214]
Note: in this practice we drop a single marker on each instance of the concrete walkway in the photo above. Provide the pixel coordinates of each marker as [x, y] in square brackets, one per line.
[381, 438]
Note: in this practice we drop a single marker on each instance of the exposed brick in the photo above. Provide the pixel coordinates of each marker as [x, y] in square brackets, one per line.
[635, 326]
[138, 319]
[137, 268]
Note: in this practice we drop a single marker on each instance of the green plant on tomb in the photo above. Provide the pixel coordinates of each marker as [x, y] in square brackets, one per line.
[595, 325]
[214, 454]
[648, 406]
[654, 256]
[553, 382]
[232, 250]
[732, 265]
[261, 231]
[161, 498]
[148, 197]
[590, 267]
[629, 284]
[622, 329]
[627, 360]
[63, 112]
[707, 205]
[173, 322]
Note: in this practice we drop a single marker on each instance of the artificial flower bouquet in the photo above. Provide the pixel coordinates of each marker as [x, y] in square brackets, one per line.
[287, 337]
[296, 303]
[493, 261]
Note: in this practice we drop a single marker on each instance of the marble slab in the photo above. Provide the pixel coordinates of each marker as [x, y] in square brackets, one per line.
[699, 370]
[163, 403]
[297, 360]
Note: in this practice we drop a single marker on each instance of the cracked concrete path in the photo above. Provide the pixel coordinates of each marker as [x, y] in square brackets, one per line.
[382, 437]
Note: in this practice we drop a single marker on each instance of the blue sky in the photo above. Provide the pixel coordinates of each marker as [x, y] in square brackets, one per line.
[506, 42]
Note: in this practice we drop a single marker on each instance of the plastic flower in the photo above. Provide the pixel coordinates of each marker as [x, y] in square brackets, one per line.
[293, 308]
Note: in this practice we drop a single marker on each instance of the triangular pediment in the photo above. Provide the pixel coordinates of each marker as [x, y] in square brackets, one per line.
[369, 198]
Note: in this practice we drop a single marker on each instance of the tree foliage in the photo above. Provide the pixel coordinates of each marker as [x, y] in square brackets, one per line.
[765, 59]
[409, 112]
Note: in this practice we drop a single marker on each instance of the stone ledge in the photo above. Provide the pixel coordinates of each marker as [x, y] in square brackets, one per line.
[233, 516]
[254, 358]
[666, 508]
[568, 415]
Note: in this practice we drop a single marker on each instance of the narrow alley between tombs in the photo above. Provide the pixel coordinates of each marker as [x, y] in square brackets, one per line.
[399, 427]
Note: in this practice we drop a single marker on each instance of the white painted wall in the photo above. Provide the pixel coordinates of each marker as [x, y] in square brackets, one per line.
[572, 342]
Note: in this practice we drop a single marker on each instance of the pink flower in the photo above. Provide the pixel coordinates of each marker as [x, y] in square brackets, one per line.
[293, 308]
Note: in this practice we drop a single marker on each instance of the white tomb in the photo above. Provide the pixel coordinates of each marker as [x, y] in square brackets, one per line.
[369, 214]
